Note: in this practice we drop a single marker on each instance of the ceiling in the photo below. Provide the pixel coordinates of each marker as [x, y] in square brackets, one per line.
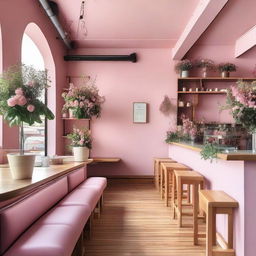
[126, 23]
[149, 23]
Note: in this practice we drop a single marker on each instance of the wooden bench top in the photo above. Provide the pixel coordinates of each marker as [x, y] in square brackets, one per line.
[216, 198]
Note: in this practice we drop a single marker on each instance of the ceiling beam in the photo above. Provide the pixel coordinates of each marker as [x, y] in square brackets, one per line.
[204, 14]
[245, 42]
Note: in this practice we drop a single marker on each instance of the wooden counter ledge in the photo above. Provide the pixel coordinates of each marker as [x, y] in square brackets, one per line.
[239, 155]
[10, 188]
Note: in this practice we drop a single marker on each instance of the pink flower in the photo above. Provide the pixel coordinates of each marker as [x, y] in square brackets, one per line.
[31, 108]
[31, 83]
[76, 103]
[81, 142]
[19, 91]
[81, 104]
[12, 102]
[21, 100]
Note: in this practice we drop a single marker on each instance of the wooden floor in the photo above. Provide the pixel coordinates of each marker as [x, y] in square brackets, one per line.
[136, 222]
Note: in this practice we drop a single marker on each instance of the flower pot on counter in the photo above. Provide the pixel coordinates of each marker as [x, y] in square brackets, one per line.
[81, 154]
[21, 166]
[224, 74]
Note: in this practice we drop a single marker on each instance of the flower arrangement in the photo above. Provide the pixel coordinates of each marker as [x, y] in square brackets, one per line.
[189, 129]
[21, 92]
[84, 101]
[227, 67]
[184, 65]
[80, 138]
[210, 151]
[241, 100]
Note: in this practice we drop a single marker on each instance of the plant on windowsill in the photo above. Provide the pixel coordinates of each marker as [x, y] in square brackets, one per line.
[21, 89]
[83, 102]
[81, 142]
[226, 68]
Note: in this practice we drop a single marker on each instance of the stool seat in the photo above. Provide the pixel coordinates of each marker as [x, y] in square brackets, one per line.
[189, 175]
[215, 198]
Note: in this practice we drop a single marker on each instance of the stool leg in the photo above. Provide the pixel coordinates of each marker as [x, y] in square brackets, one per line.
[209, 231]
[174, 185]
[188, 193]
[179, 202]
[166, 187]
[230, 230]
[195, 212]
[155, 173]
[214, 239]
[161, 182]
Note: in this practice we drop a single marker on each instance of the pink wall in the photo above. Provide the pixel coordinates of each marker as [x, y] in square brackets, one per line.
[122, 83]
[14, 17]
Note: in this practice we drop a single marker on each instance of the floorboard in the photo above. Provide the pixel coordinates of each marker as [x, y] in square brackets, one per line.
[136, 222]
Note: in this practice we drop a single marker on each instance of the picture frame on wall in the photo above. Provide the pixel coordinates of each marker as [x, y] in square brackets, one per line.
[140, 112]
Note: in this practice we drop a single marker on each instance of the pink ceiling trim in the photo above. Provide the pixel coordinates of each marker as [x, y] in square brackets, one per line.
[204, 14]
[245, 42]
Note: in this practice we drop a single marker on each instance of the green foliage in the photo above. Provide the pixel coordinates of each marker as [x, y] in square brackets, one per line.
[172, 137]
[80, 138]
[228, 67]
[209, 151]
[184, 65]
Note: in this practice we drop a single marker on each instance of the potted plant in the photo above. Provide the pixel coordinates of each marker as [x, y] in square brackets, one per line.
[21, 89]
[226, 68]
[183, 67]
[83, 102]
[241, 100]
[81, 142]
[205, 65]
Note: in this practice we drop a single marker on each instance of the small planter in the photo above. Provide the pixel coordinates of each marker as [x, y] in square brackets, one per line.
[21, 166]
[184, 73]
[224, 74]
[81, 154]
[71, 113]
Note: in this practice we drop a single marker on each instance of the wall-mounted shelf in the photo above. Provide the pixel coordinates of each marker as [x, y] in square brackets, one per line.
[77, 119]
[202, 92]
[213, 78]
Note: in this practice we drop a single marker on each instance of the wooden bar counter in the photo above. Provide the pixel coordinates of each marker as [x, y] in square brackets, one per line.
[233, 172]
[11, 190]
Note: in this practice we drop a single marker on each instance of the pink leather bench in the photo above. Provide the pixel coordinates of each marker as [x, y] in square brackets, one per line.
[50, 221]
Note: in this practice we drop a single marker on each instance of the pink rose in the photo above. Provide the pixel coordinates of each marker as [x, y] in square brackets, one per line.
[81, 104]
[19, 91]
[31, 83]
[12, 102]
[31, 108]
[81, 142]
[21, 100]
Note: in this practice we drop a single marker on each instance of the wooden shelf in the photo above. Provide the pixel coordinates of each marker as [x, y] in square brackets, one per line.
[67, 118]
[202, 92]
[213, 78]
[100, 159]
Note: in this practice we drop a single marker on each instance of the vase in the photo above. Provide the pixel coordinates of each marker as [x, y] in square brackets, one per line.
[224, 74]
[81, 154]
[71, 113]
[21, 166]
[184, 73]
[254, 142]
[204, 72]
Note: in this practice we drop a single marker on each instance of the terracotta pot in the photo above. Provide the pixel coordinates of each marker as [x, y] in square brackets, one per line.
[21, 166]
[81, 154]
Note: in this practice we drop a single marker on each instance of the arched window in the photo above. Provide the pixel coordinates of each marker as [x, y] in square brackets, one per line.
[36, 52]
[35, 136]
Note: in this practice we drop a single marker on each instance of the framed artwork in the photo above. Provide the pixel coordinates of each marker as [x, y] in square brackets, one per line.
[140, 112]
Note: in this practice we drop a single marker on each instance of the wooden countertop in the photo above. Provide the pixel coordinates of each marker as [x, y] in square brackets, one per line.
[239, 155]
[10, 188]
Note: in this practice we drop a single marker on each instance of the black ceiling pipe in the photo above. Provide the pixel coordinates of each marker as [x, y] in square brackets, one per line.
[132, 57]
[51, 10]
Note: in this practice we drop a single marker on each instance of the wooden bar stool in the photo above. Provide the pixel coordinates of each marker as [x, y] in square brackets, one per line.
[214, 202]
[157, 166]
[167, 178]
[189, 178]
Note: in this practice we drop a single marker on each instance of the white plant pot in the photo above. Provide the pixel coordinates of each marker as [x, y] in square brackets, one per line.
[81, 154]
[21, 166]
[184, 73]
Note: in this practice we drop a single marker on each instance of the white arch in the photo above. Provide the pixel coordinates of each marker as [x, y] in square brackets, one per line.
[35, 33]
